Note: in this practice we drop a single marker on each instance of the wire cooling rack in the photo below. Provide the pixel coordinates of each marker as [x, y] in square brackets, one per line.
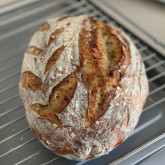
[18, 145]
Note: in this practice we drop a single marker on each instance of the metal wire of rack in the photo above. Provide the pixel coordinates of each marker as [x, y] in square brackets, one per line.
[18, 145]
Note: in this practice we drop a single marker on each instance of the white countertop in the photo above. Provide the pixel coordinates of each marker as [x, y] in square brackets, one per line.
[147, 14]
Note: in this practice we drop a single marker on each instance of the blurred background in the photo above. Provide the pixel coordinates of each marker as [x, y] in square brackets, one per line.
[142, 20]
[147, 15]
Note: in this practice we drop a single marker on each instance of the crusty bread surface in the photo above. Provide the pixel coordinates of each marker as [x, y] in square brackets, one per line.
[83, 86]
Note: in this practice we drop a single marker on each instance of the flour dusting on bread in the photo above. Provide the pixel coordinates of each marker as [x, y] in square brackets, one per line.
[86, 86]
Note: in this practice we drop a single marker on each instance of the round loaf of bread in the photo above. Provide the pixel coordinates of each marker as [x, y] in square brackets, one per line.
[83, 86]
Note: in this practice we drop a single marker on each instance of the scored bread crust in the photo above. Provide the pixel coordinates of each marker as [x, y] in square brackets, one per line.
[83, 86]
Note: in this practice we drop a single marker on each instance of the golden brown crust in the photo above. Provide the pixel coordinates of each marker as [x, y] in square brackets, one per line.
[85, 88]
[59, 99]
[55, 35]
[52, 60]
[32, 82]
[45, 27]
[101, 60]
[64, 17]
[65, 150]
[35, 51]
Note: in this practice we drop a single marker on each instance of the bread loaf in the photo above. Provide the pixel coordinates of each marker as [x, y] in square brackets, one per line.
[83, 86]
